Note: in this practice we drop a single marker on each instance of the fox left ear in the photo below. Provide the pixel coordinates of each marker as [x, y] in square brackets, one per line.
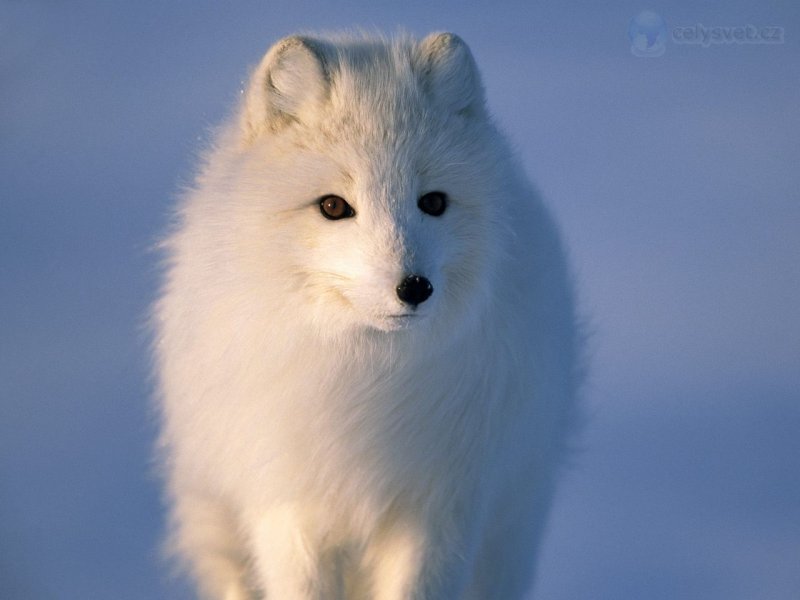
[449, 73]
[291, 81]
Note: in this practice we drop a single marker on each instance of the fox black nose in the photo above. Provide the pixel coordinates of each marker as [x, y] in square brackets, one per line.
[414, 289]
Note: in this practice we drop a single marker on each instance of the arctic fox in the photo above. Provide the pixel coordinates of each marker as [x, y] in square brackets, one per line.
[366, 339]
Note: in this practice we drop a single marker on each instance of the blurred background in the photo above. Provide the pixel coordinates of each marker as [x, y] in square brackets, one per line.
[671, 165]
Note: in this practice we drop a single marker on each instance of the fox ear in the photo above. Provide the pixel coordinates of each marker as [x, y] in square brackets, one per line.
[449, 73]
[292, 79]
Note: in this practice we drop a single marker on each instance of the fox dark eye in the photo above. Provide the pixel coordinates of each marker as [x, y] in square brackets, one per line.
[433, 203]
[335, 208]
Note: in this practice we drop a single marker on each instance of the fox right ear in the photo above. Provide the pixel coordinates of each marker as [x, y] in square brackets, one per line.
[292, 79]
[449, 73]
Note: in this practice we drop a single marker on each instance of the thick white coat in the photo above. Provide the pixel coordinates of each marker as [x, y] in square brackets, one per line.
[321, 439]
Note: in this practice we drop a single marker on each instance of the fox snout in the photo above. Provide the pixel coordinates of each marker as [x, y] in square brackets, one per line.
[414, 290]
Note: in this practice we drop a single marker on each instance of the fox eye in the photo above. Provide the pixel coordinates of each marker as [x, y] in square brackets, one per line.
[335, 208]
[433, 203]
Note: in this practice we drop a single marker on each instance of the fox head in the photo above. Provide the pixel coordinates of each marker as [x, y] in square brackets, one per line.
[374, 181]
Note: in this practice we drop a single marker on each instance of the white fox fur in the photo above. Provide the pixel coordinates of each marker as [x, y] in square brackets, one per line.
[323, 439]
